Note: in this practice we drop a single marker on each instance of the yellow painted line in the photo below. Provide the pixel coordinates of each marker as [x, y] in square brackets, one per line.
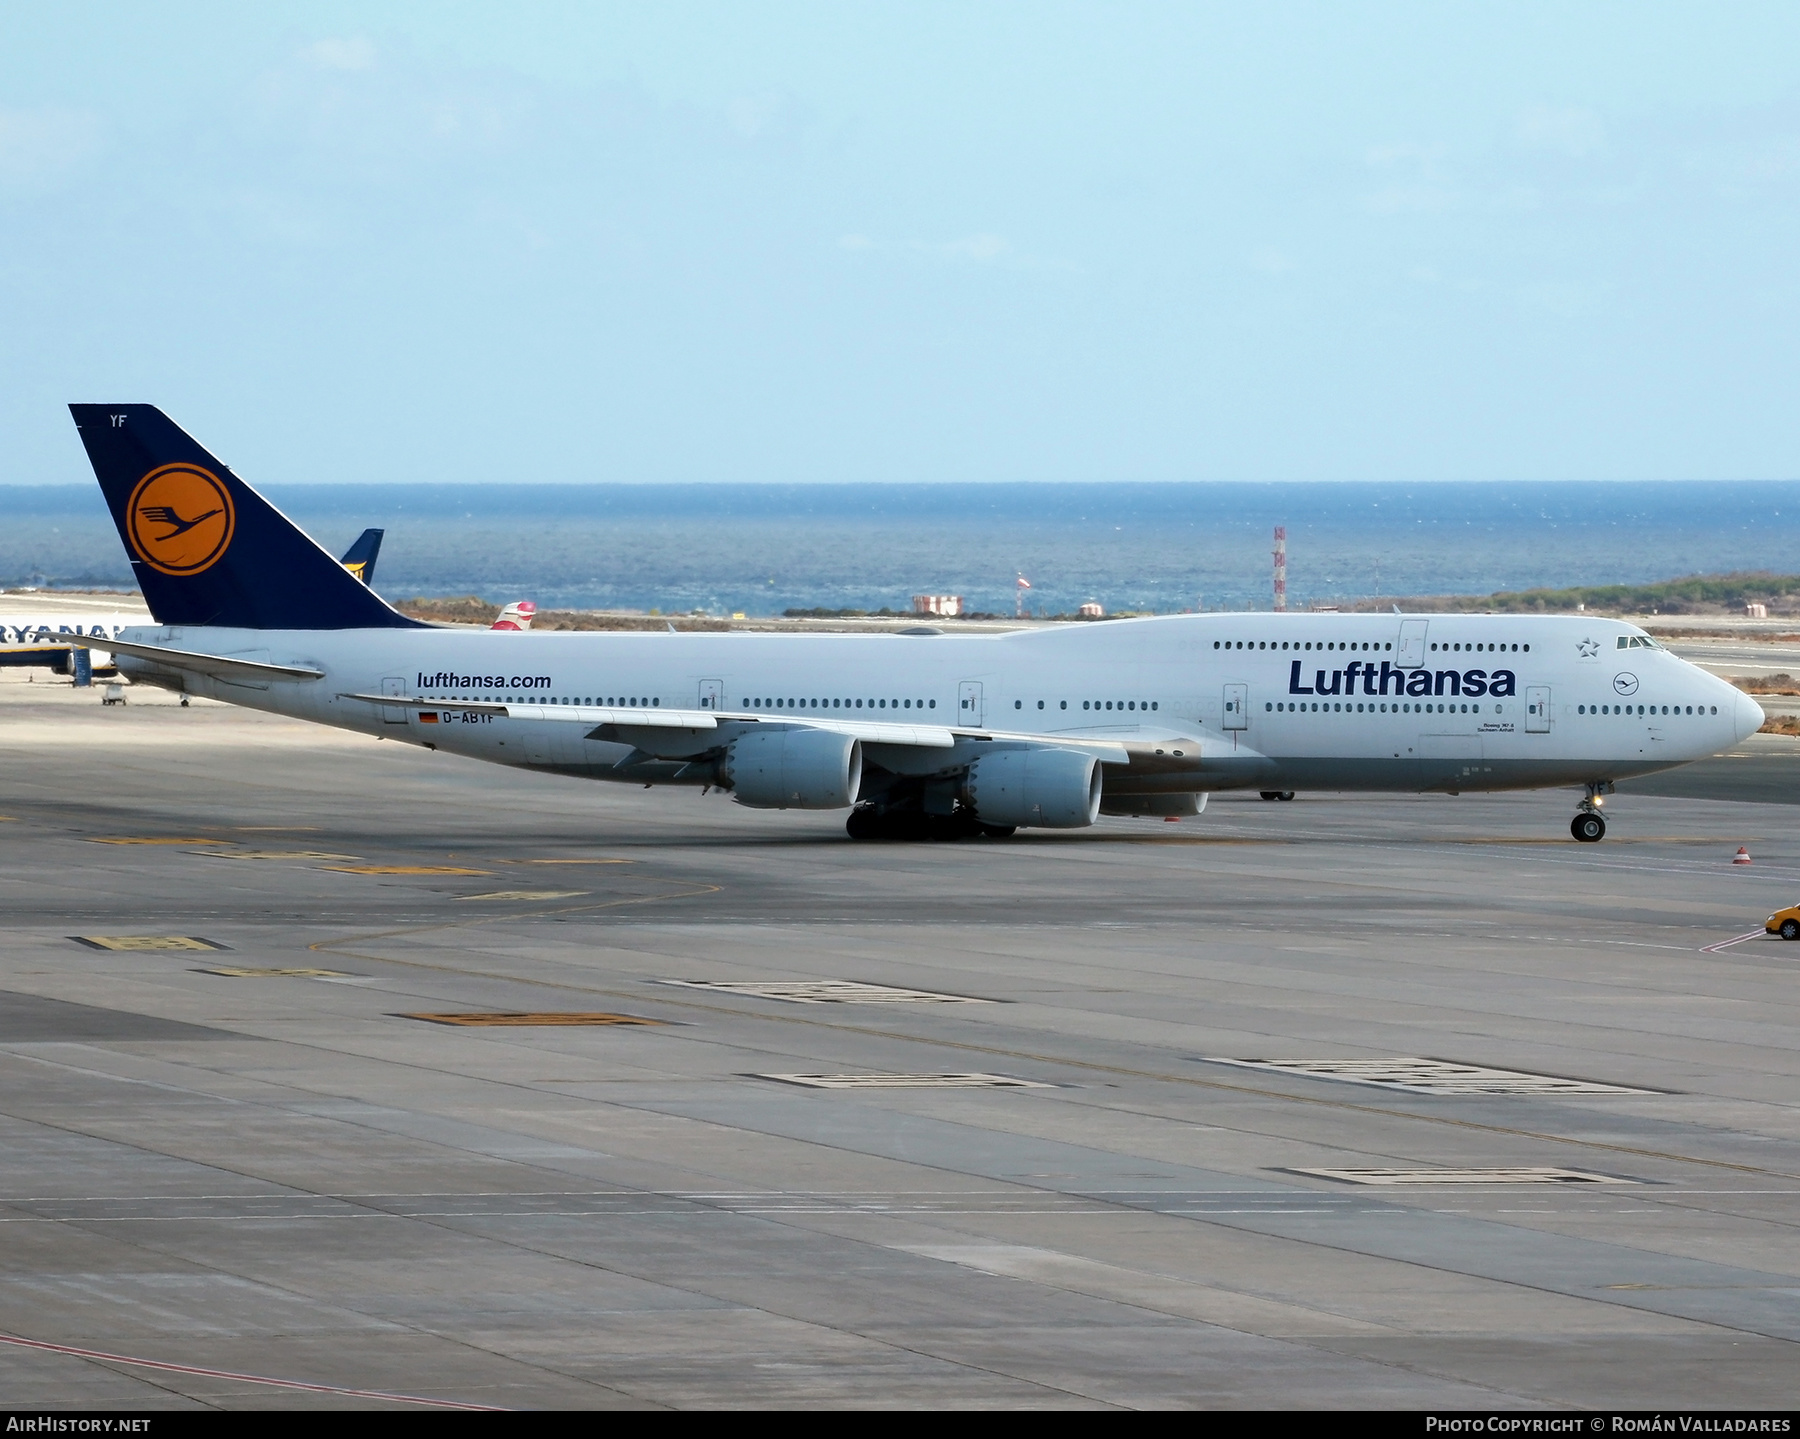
[530, 1020]
[155, 839]
[402, 869]
[525, 894]
[270, 854]
[134, 942]
[235, 972]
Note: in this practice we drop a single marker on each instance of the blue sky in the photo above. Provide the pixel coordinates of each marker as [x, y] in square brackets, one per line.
[956, 242]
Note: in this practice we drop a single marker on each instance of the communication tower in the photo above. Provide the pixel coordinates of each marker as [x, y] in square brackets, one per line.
[1280, 569]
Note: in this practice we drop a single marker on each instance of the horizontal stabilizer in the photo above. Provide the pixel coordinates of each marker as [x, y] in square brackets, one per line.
[197, 662]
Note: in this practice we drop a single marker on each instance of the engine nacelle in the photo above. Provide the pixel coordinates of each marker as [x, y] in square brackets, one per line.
[793, 769]
[1048, 788]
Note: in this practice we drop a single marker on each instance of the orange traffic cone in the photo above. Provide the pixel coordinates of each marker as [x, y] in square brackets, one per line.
[1742, 856]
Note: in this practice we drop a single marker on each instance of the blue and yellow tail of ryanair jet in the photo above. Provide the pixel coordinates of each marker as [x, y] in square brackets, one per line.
[206, 548]
[359, 559]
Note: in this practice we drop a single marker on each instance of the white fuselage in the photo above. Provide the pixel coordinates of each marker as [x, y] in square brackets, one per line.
[1275, 701]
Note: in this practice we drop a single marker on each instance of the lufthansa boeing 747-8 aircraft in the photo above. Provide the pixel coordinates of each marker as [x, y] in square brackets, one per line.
[916, 735]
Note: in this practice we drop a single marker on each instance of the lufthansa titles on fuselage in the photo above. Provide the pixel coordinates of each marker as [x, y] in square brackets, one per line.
[1500, 683]
[443, 681]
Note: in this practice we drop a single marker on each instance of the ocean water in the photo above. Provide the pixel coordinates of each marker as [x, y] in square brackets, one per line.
[1163, 548]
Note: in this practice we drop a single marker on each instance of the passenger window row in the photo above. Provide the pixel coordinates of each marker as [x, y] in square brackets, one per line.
[1098, 704]
[1644, 709]
[836, 704]
[1455, 646]
[619, 702]
[1345, 708]
[1296, 644]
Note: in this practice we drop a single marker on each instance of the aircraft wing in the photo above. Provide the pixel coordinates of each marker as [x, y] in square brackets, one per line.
[590, 715]
[190, 660]
[630, 726]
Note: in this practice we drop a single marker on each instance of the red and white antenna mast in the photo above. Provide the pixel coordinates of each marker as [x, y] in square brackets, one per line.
[1020, 585]
[1280, 569]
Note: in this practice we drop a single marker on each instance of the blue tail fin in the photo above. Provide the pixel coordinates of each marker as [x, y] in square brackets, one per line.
[206, 548]
[359, 559]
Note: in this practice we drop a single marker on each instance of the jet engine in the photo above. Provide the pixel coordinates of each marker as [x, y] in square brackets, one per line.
[1154, 805]
[793, 769]
[1050, 788]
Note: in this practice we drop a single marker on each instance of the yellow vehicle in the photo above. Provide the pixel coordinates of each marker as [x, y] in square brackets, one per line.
[1785, 922]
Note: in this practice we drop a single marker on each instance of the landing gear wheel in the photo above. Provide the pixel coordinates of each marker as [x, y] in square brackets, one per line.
[999, 831]
[904, 825]
[1588, 828]
[1285, 795]
[1270, 793]
[1790, 929]
[863, 824]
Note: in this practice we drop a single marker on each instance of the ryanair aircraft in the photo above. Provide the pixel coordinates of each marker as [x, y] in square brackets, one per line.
[918, 734]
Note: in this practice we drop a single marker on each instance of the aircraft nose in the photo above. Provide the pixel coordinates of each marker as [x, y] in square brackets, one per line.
[1749, 717]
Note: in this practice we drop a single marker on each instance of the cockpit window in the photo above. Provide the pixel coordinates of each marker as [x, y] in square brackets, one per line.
[1637, 642]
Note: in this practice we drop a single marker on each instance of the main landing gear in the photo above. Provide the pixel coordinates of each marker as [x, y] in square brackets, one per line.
[915, 826]
[1589, 825]
[1276, 793]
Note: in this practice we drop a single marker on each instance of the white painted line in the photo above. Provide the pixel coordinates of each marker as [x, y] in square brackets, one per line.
[1429, 1076]
[1726, 944]
[1527, 1174]
[907, 1081]
[824, 991]
[105, 1358]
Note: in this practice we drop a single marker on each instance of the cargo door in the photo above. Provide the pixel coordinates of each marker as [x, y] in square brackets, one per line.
[968, 702]
[712, 694]
[393, 714]
[1237, 706]
[1412, 644]
[1537, 709]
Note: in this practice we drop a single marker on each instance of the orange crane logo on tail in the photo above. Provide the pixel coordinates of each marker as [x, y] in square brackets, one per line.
[180, 519]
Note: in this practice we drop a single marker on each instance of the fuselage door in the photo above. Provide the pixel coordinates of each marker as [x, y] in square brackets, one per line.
[1537, 709]
[393, 714]
[1412, 644]
[968, 702]
[1237, 706]
[712, 695]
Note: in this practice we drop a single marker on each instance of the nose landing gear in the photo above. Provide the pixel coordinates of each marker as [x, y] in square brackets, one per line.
[1589, 825]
